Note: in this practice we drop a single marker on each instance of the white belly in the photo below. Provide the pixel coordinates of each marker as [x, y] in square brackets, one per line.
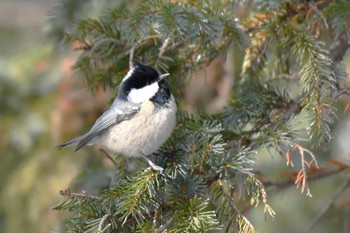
[144, 133]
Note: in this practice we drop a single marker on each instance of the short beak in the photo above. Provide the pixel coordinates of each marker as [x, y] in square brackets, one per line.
[161, 77]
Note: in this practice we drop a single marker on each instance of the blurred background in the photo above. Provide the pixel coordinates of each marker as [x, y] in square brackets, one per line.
[38, 92]
[44, 102]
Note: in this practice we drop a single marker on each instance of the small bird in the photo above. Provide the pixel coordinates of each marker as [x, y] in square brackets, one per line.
[140, 120]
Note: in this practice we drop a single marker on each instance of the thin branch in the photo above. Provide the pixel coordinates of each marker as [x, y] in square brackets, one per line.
[103, 222]
[288, 159]
[176, 45]
[279, 186]
[164, 46]
[136, 45]
[131, 56]
[156, 217]
[82, 195]
[338, 48]
[108, 156]
[163, 49]
[302, 175]
[346, 217]
[304, 183]
[312, 156]
[102, 42]
[232, 204]
[330, 202]
[342, 93]
[314, 8]
[166, 225]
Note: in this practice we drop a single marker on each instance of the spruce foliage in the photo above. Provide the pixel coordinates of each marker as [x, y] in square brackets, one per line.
[209, 160]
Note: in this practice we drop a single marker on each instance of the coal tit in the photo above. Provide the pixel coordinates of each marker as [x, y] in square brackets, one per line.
[140, 120]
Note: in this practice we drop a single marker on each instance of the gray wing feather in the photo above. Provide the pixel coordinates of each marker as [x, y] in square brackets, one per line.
[120, 111]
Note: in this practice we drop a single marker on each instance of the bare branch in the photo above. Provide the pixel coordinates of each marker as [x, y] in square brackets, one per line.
[82, 195]
[103, 222]
[330, 202]
[314, 8]
[279, 186]
[302, 175]
[339, 48]
[136, 45]
[108, 156]
[164, 46]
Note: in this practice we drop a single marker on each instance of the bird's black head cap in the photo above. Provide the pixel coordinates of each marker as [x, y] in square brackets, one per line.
[138, 77]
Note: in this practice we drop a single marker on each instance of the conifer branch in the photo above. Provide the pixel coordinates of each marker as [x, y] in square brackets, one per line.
[136, 45]
[243, 223]
[82, 196]
[214, 155]
[102, 43]
[313, 6]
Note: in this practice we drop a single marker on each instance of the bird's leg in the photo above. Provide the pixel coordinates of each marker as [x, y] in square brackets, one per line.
[152, 165]
[108, 156]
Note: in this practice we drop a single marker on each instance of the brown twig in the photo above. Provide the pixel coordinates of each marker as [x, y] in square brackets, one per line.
[279, 186]
[108, 156]
[338, 48]
[136, 45]
[103, 222]
[303, 173]
[82, 195]
[164, 46]
[313, 6]
[163, 49]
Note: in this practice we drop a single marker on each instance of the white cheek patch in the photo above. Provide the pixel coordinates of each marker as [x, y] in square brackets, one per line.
[143, 94]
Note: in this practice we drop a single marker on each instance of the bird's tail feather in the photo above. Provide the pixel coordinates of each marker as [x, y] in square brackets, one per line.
[72, 142]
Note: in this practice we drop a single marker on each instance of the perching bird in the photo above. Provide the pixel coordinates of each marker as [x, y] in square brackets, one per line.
[140, 120]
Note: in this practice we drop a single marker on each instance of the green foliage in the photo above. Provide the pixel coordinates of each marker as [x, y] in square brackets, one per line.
[193, 216]
[176, 200]
[339, 18]
[209, 160]
[136, 196]
[160, 33]
[304, 55]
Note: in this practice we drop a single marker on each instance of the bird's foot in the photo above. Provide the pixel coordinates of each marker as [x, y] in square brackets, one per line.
[153, 166]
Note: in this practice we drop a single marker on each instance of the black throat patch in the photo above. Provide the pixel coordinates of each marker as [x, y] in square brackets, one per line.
[162, 96]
